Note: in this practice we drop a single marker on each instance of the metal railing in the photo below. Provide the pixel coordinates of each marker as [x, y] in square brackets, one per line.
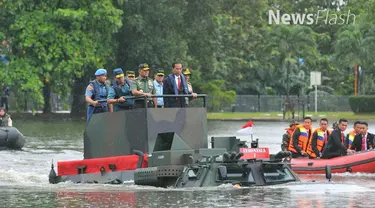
[146, 98]
[243, 103]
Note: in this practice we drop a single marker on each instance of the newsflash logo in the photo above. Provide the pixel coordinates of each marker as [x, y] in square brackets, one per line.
[322, 16]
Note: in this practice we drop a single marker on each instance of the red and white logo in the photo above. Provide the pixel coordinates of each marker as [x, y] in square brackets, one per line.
[255, 153]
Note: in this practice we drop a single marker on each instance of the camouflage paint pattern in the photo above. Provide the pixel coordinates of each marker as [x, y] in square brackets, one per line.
[119, 133]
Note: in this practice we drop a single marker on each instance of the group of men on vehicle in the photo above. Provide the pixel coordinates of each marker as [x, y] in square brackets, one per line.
[303, 141]
[128, 92]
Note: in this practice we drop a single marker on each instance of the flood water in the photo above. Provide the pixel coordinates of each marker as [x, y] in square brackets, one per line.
[24, 177]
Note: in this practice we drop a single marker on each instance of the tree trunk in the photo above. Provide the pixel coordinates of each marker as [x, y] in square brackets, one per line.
[47, 97]
[25, 107]
[78, 92]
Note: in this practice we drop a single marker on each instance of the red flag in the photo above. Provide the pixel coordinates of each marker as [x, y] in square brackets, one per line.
[247, 128]
[248, 124]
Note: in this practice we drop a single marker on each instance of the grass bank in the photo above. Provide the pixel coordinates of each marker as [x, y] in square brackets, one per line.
[278, 116]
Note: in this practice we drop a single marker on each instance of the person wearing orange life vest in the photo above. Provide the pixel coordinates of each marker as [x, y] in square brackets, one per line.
[300, 139]
[288, 135]
[318, 139]
[350, 137]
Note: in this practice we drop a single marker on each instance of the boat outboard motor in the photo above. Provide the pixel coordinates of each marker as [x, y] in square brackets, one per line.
[52, 177]
[328, 173]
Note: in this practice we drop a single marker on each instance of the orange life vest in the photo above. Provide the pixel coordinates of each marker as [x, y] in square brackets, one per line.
[320, 142]
[351, 138]
[303, 139]
[289, 131]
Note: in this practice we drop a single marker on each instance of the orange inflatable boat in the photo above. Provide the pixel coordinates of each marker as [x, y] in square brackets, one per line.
[359, 162]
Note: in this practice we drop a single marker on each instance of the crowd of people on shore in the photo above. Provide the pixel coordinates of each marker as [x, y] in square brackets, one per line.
[304, 141]
[128, 92]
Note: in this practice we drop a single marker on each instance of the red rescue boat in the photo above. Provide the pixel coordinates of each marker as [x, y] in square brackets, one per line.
[360, 162]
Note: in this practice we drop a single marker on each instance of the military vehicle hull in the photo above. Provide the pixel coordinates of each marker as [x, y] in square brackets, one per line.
[173, 163]
[215, 171]
[11, 138]
[206, 171]
[176, 145]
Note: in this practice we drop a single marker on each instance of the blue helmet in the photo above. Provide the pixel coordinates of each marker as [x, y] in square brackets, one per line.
[118, 71]
[100, 72]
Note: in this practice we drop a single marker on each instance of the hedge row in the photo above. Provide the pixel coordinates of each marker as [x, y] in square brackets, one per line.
[362, 104]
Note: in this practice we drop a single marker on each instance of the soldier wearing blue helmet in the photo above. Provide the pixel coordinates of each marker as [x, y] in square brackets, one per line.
[97, 93]
[119, 92]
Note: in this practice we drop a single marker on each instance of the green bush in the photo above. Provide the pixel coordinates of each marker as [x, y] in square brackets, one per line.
[218, 97]
[362, 104]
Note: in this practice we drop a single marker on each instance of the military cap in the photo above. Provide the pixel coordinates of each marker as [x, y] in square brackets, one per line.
[160, 72]
[130, 73]
[293, 123]
[118, 73]
[100, 72]
[144, 67]
[186, 71]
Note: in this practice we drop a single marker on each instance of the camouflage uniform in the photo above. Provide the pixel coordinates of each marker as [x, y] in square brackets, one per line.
[285, 142]
[145, 85]
[4, 121]
[287, 136]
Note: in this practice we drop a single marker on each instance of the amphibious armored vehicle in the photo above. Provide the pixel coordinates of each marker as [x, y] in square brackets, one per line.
[167, 147]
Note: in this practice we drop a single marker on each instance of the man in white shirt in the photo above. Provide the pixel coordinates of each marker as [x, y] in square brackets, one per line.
[175, 84]
[364, 140]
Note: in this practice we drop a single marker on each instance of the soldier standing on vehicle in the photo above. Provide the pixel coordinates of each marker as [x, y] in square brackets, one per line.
[144, 86]
[97, 93]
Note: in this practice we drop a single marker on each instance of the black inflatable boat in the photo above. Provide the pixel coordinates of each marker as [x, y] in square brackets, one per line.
[11, 138]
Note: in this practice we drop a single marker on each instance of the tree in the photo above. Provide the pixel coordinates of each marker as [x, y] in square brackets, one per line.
[56, 42]
[286, 44]
[219, 97]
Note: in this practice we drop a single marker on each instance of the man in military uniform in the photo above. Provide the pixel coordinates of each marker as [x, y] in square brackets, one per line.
[187, 73]
[144, 86]
[97, 93]
[158, 83]
[4, 96]
[130, 75]
[5, 119]
[119, 92]
[288, 134]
